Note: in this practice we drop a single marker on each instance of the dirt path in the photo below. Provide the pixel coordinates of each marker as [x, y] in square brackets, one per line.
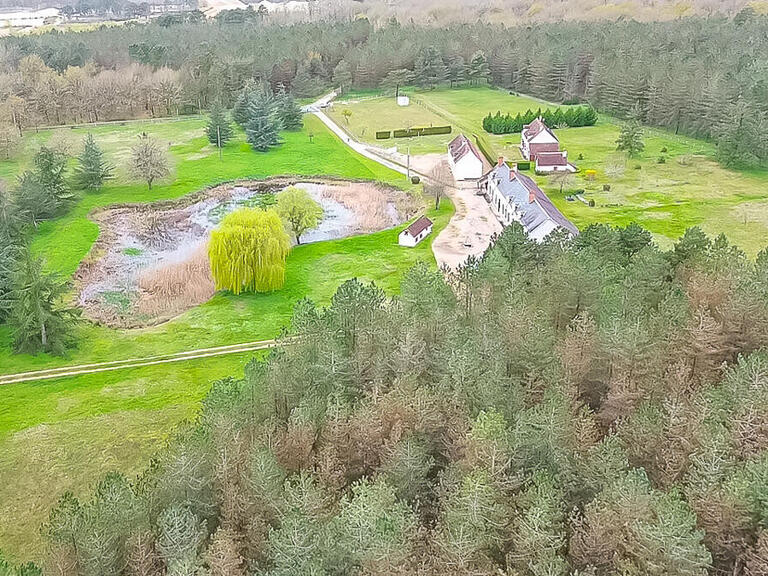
[470, 230]
[95, 368]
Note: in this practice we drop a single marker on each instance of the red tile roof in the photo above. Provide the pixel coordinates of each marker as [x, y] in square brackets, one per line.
[535, 128]
[419, 226]
[551, 159]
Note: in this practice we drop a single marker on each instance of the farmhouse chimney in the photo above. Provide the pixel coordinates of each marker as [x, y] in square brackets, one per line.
[531, 197]
[501, 161]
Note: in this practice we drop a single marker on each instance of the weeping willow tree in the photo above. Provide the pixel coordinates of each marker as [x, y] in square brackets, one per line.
[248, 251]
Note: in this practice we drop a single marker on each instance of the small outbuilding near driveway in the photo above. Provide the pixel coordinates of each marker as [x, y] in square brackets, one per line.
[416, 232]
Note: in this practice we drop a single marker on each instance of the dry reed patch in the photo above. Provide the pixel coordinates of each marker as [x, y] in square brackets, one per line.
[376, 207]
[171, 288]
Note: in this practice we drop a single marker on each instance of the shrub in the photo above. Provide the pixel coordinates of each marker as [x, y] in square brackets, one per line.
[581, 156]
[664, 150]
[637, 167]
[523, 166]
[248, 251]
[383, 135]
[606, 187]
[415, 179]
[661, 160]
[401, 133]
[591, 203]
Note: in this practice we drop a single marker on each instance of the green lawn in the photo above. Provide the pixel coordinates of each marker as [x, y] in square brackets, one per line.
[62, 435]
[689, 188]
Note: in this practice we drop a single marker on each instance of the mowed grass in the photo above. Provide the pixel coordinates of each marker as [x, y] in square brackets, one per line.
[690, 188]
[64, 434]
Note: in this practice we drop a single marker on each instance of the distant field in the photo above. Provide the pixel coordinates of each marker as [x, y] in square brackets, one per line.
[689, 188]
[62, 435]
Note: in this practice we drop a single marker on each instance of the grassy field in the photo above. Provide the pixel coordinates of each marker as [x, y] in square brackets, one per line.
[62, 435]
[689, 188]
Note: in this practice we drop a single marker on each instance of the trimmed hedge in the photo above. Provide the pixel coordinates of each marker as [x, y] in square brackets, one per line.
[383, 135]
[574, 117]
[485, 148]
[524, 166]
[416, 132]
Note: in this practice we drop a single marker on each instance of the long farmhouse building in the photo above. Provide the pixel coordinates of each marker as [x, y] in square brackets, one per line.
[515, 197]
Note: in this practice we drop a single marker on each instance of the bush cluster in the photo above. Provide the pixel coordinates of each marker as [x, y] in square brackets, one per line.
[573, 117]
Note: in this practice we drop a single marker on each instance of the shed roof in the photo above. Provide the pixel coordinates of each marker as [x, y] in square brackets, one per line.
[419, 226]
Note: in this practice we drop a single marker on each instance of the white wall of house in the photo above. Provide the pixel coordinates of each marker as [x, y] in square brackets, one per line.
[543, 137]
[405, 238]
[469, 167]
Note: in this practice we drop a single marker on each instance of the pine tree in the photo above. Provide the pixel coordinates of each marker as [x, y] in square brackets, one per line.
[219, 128]
[479, 70]
[342, 76]
[92, 169]
[289, 112]
[430, 68]
[37, 318]
[631, 138]
[263, 128]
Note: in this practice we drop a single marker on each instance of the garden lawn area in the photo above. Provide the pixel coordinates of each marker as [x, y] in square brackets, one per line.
[64, 434]
[689, 188]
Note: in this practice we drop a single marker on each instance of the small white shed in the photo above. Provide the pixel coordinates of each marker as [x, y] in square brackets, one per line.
[403, 101]
[464, 158]
[416, 232]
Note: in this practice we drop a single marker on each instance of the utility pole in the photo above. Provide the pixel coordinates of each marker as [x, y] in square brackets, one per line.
[218, 139]
[409, 163]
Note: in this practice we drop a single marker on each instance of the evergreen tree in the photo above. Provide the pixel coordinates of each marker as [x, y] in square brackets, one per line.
[263, 128]
[431, 71]
[38, 320]
[479, 70]
[289, 112]
[218, 129]
[631, 138]
[92, 169]
[342, 76]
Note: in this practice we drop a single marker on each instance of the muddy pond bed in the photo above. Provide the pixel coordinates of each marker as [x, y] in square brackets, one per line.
[150, 262]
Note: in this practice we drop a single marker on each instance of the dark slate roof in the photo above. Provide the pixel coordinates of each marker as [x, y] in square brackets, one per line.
[519, 189]
[535, 128]
[552, 159]
[460, 147]
[419, 226]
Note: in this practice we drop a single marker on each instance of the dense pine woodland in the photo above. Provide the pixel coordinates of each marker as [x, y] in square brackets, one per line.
[591, 406]
[702, 77]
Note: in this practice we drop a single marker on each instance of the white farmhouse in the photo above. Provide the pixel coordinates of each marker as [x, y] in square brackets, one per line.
[416, 232]
[465, 160]
[515, 197]
[537, 138]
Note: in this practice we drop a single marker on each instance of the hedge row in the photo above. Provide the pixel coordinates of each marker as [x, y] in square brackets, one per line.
[485, 148]
[574, 117]
[414, 132]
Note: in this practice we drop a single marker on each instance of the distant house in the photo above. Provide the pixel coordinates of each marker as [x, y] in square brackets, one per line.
[515, 197]
[416, 232]
[540, 145]
[537, 138]
[464, 158]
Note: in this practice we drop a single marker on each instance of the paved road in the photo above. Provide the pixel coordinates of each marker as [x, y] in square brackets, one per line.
[95, 368]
